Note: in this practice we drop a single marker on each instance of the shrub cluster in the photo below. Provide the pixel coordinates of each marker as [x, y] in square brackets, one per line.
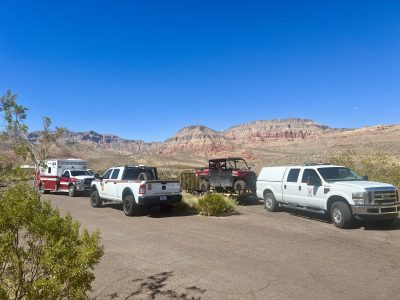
[209, 204]
[43, 255]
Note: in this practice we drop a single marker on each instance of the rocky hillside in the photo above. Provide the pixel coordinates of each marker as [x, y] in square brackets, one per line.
[281, 129]
[103, 141]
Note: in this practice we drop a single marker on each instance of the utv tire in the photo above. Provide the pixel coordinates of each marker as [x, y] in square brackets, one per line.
[270, 202]
[130, 206]
[166, 208]
[95, 199]
[240, 187]
[72, 191]
[204, 185]
[341, 215]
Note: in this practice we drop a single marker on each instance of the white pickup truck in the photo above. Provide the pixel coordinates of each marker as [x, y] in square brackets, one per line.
[135, 186]
[328, 189]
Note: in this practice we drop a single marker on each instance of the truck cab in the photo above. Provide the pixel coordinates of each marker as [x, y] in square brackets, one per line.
[329, 189]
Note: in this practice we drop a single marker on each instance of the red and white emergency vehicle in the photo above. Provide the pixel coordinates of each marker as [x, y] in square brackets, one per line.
[64, 175]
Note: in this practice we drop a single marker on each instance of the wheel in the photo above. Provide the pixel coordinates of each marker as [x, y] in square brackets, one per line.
[41, 189]
[166, 208]
[341, 215]
[130, 206]
[95, 199]
[239, 187]
[204, 185]
[72, 191]
[385, 223]
[270, 202]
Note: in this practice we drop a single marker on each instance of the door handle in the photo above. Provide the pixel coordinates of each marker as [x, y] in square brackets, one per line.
[284, 186]
[115, 182]
[299, 187]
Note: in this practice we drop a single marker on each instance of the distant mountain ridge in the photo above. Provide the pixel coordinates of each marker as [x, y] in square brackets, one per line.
[199, 139]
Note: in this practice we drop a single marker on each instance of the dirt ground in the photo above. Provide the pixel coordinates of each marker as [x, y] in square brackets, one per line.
[253, 255]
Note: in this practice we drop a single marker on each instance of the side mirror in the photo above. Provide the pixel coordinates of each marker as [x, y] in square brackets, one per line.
[365, 177]
[97, 176]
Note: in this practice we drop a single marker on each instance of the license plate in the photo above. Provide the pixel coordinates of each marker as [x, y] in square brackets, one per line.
[163, 198]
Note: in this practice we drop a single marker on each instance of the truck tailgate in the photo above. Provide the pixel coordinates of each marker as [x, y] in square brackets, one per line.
[162, 187]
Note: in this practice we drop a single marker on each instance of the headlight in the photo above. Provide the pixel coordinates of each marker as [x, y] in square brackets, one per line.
[360, 198]
[80, 181]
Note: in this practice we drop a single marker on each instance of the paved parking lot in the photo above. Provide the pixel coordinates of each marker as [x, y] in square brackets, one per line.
[253, 255]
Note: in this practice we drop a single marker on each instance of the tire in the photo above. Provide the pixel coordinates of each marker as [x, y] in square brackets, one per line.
[341, 215]
[95, 199]
[270, 202]
[41, 189]
[142, 176]
[72, 191]
[204, 185]
[240, 187]
[166, 208]
[130, 206]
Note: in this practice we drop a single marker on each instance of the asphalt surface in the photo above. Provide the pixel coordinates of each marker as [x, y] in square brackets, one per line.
[253, 255]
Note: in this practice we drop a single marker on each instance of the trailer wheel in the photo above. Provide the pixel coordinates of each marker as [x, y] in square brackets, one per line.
[72, 191]
[130, 206]
[204, 185]
[41, 189]
[240, 187]
[95, 199]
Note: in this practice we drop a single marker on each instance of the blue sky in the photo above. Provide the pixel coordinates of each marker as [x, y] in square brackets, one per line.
[144, 69]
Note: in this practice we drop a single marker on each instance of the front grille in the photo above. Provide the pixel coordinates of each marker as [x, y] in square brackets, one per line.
[387, 197]
[88, 181]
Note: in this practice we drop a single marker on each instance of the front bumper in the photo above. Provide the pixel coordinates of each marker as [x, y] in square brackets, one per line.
[156, 200]
[82, 188]
[376, 212]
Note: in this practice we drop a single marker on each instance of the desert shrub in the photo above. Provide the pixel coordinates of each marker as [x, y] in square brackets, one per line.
[215, 204]
[43, 255]
[378, 166]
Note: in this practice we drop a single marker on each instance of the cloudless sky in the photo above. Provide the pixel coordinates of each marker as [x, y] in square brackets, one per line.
[145, 69]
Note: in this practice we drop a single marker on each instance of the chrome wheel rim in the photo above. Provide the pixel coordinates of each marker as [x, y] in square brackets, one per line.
[126, 205]
[337, 215]
[268, 202]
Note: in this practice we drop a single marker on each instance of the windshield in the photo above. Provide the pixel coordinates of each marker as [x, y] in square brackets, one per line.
[338, 174]
[238, 164]
[80, 173]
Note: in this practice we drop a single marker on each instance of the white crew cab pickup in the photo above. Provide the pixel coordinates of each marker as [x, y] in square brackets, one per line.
[328, 189]
[135, 186]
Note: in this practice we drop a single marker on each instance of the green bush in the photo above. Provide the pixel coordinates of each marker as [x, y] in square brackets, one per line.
[215, 205]
[43, 255]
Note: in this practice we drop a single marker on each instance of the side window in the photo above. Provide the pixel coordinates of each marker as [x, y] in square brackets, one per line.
[309, 173]
[107, 174]
[65, 174]
[293, 175]
[115, 174]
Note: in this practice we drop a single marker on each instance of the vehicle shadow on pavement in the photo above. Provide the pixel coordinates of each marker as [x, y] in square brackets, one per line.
[249, 201]
[381, 227]
[154, 212]
[156, 286]
[325, 218]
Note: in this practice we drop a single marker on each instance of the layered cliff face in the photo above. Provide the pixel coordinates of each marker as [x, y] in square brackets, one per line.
[196, 139]
[281, 129]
